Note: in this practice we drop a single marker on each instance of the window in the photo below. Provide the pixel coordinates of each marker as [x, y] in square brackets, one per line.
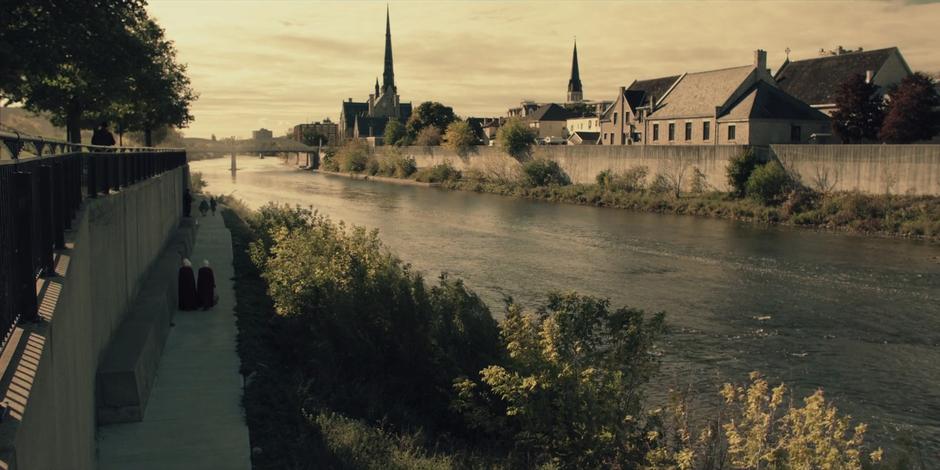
[795, 133]
[615, 118]
[731, 132]
[655, 132]
[706, 130]
[688, 131]
[672, 131]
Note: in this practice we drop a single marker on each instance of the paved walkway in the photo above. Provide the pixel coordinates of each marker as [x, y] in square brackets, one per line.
[194, 419]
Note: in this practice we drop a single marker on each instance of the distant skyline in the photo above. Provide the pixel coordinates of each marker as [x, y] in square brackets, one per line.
[274, 64]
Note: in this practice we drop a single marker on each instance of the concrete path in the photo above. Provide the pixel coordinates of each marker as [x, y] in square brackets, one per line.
[194, 418]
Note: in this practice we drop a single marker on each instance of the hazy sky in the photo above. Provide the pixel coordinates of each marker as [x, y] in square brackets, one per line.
[278, 63]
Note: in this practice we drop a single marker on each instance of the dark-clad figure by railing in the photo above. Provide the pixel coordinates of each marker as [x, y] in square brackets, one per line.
[206, 286]
[187, 203]
[212, 204]
[102, 136]
[204, 207]
[186, 286]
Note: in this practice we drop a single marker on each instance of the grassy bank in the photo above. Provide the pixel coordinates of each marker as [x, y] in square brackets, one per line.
[890, 215]
[763, 193]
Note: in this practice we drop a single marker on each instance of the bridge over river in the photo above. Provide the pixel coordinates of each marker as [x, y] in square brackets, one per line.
[857, 316]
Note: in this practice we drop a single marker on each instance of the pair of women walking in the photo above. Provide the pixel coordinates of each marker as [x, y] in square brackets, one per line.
[192, 294]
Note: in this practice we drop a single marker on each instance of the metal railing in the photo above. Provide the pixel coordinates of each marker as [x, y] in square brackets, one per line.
[42, 185]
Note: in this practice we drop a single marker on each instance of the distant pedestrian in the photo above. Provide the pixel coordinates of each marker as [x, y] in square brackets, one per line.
[206, 286]
[212, 204]
[102, 136]
[186, 287]
[204, 207]
[187, 203]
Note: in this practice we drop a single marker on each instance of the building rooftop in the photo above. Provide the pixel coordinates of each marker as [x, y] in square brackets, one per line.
[697, 94]
[816, 80]
[765, 101]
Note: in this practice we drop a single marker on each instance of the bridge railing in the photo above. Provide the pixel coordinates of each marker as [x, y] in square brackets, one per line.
[42, 186]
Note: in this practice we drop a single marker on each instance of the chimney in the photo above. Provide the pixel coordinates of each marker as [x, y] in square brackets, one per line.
[869, 74]
[349, 100]
[760, 59]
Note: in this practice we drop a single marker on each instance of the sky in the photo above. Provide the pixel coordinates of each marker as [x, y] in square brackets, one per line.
[275, 64]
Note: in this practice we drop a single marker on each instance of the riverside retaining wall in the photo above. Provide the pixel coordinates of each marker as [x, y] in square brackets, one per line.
[875, 169]
[49, 368]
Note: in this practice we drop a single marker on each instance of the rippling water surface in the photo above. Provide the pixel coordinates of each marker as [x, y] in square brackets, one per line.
[857, 316]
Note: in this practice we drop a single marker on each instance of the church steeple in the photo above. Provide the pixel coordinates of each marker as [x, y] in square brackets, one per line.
[388, 76]
[574, 84]
[376, 86]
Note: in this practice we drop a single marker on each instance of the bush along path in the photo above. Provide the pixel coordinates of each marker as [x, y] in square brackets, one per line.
[764, 193]
[355, 361]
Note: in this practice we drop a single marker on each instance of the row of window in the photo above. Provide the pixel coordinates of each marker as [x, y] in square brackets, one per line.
[706, 131]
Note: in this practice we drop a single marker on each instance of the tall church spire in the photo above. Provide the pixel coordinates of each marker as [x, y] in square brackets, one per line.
[388, 76]
[574, 84]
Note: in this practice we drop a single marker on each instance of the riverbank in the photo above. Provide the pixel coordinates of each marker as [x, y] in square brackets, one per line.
[893, 216]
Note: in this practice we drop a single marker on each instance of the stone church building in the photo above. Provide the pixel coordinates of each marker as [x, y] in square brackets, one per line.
[367, 120]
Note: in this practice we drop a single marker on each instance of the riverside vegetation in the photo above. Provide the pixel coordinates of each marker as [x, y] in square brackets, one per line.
[762, 192]
[354, 360]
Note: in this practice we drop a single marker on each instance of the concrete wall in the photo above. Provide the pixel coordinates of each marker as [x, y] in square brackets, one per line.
[875, 169]
[49, 368]
[583, 163]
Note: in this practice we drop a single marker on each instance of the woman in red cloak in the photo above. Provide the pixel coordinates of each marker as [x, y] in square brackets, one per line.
[186, 287]
[206, 286]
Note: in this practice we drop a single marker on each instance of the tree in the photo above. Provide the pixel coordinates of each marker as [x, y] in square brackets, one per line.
[394, 133]
[430, 113]
[460, 137]
[516, 138]
[428, 136]
[312, 137]
[739, 170]
[912, 111]
[571, 386]
[69, 58]
[860, 111]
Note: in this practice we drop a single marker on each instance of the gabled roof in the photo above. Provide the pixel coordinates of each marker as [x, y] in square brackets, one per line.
[816, 81]
[351, 109]
[655, 87]
[586, 136]
[765, 101]
[549, 112]
[697, 94]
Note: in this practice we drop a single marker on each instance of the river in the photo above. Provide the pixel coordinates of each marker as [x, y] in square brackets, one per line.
[857, 316]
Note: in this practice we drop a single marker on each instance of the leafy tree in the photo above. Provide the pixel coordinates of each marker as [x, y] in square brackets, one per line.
[312, 137]
[571, 386]
[213, 137]
[860, 111]
[460, 137]
[429, 137]
[912, 111]
[739, 170]
[769, 183]
[430, 113]
[68, 58]
[516, 138]
[394, 133]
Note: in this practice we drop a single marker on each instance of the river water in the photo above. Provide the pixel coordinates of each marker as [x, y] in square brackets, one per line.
[859, 317]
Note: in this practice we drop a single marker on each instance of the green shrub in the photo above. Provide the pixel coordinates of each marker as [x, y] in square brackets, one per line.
[629, 181]
[438, 173]
[543, 172]
[739, 171]
[353, 157]
[197, 182]
[330, 162]
[769, 183]
[572, 381]
[660, 184]
[395, 164]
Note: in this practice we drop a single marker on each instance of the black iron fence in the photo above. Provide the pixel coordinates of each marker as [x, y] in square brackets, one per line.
[42, 184]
